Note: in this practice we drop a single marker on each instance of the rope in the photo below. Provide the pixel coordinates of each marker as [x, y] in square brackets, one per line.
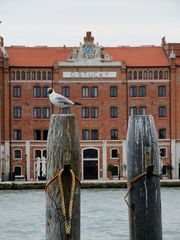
[131, 184]
[67, 217]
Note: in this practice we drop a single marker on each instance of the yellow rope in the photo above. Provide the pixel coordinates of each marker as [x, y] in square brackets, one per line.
[67, 219]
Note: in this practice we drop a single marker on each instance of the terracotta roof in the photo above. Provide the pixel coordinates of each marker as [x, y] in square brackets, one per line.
[47, 56]
[139, 56]
[37, 56]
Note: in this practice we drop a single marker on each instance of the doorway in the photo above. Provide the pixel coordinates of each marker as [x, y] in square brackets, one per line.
[90, 163]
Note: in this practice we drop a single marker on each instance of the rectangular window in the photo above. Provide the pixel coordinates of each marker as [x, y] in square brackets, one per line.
[142, 91]
[66, 92]
[85, 112]
[37, 92]
[17, 112]
[94, 112]
[37, 134]
[113, 91]
[162, 133]
[46, 112]
[37, 112]
[45, 92]
[17, 134]
[161, 91]
[162, 111]
[133, 91]
[114, 134]
[94, 134]
[133, 111]
[114, 112]
[94, 92]
[16, 91]
[65, 110]
[85, 92]
[142, 110]
[17, 154]
[45, 134]
[85, 134]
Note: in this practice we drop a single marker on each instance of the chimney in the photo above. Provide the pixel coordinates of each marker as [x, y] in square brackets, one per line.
[88, 38]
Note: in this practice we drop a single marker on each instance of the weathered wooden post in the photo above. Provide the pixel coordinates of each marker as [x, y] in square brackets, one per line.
[63, 174]
[144, 199]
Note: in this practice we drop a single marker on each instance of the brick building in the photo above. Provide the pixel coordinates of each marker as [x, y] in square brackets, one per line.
[112, 83]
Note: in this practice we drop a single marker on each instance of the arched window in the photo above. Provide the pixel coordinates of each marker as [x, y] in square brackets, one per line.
[23, 77]
[166, 75]
[160, 75]
[33, 75]
[17, 171]
[155, 75]
[28, 75]
[44, 75]
[150, 75]
[38, 75]
[12, 75]
[90, 153]
[18, 75]
[140, 74]
[49, 75]
[129, 75]
[114, 153]
[145, 75]
[17, 154]
[135, 75]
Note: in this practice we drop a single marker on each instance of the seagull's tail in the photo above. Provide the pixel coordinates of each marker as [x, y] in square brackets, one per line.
[77, 103]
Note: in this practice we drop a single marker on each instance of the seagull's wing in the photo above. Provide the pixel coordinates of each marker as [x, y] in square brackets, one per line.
[62, 100]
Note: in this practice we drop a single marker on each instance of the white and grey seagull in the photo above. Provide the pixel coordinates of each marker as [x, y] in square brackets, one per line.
[60, 100]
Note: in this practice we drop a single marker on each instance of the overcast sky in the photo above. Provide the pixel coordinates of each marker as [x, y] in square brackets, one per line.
[112, 22]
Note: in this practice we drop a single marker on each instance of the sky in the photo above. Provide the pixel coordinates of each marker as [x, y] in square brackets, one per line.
[112, 22]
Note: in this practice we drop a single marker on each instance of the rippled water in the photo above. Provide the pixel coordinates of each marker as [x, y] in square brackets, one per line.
[104, 214]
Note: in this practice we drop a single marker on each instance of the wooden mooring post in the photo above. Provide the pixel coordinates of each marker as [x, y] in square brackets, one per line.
[143, 197]
[63, 184]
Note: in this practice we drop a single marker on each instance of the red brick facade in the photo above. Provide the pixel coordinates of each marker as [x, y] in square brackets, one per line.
[111, 83]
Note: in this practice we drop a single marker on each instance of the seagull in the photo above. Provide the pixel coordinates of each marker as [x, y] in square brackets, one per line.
[60, 100]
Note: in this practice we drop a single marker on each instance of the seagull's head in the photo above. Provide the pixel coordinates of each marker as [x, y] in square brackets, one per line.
[50, 90]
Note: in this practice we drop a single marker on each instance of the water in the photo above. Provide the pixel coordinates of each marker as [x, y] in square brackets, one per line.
[104, 214]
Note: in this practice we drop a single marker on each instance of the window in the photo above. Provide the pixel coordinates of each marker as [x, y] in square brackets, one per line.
[166, 75]
[12, 75]
[23, 75]
[45, 134]
[17, 112]
[145, 75]
[45, 92]
[65, 110]
[37, 112]
[94, 134]
[44, 75]
[114, 153]
[135, 75]
[16, 91]
[90, 153]
[142, 91]
[33, 75]
[45, 153]
[113, 91]
[150, 75]
[133, 91]
[37, 92]
[17, 134]
[133, 111]
[129, 75]
[65, 92]
[85, 112]
[46, 112]
[162, 152]
[94, 112]
[140, 75]
[85, 92]
[28, 75]
[85, 134]
[160, 75]
[162, 133]
[37, 154]
[161, 91]
[17, 75]
[114, 112]
[49, 75]
[142, 110]
[37, 134]
[114, 134]
[94, 92]
[155, 75]
[38, 75]
[17, 154]
[162, 111]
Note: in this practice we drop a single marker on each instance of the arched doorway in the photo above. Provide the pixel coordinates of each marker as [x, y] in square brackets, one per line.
[90, 163]
[17, 171]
